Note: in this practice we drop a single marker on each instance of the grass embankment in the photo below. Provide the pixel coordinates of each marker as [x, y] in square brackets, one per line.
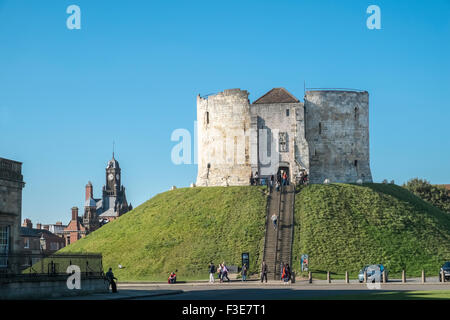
[344, 227]
[182, 230]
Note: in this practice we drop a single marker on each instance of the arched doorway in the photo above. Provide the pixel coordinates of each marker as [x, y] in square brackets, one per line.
[280, 172]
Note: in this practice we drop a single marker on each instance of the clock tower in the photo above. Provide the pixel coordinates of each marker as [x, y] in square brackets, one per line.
[113, 177]
[114, 201]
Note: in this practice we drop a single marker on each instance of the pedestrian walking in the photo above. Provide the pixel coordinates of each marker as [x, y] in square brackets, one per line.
[225, 273]
[244, 272]
[219, 272]
[284, 177]
[274, 220]
[212, 271]
[110, 277]
[286, 274]
[264, 271]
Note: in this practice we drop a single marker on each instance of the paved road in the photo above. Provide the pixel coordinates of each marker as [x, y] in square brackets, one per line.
[273, 290]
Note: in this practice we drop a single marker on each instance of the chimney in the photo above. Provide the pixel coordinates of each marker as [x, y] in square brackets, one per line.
[74, 213]
[58, 223]
[46, 227]
[27, 223]
[89, 191]
[38, 226]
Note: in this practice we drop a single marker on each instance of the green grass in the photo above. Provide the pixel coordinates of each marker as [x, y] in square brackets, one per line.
[343, 227]
[182, 230]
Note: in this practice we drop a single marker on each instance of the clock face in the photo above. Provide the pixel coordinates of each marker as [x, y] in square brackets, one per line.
[117, 176]
[111, 177]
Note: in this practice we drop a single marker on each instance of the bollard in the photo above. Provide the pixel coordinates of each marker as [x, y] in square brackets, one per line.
[423, 276]
[403, 276]
[365, 276]
[442, 276]
[384, 276]
[310, 277]
[328, 277]
[346, 277]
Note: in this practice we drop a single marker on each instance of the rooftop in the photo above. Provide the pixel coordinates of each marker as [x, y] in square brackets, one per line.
[277, 95]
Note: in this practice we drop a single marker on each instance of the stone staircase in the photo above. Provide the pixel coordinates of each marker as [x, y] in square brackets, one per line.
[278, 243]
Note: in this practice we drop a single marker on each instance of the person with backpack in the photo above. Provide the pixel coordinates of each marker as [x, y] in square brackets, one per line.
[212, 271]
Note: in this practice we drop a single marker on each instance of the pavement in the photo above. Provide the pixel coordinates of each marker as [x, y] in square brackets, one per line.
[255, 290]
[125, 294]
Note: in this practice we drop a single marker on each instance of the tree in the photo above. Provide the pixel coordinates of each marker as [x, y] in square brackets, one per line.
[438, 196]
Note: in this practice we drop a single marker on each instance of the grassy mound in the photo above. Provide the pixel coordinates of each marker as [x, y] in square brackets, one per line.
[182, 230]
[343, 227]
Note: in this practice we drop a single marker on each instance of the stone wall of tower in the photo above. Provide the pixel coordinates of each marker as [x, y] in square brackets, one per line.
[268, 122]
[223, 124]
[337, 131]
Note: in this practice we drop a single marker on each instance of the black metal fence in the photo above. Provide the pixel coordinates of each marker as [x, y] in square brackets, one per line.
[40, 265]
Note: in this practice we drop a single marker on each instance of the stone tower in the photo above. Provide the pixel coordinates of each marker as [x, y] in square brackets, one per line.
[337, 131]
[278, 134]
[223, 124]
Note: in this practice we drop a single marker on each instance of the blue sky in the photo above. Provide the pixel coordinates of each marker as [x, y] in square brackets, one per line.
[132, 73]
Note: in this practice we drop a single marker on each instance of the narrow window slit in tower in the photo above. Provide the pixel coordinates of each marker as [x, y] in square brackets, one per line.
[320, 127]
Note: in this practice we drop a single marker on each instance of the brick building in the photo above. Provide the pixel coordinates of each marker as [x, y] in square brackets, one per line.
[99, 211]
[75, 230]
[40, 239]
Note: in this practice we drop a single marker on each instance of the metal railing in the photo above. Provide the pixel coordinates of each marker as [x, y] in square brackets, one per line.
[15, 266]
[282, 189]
